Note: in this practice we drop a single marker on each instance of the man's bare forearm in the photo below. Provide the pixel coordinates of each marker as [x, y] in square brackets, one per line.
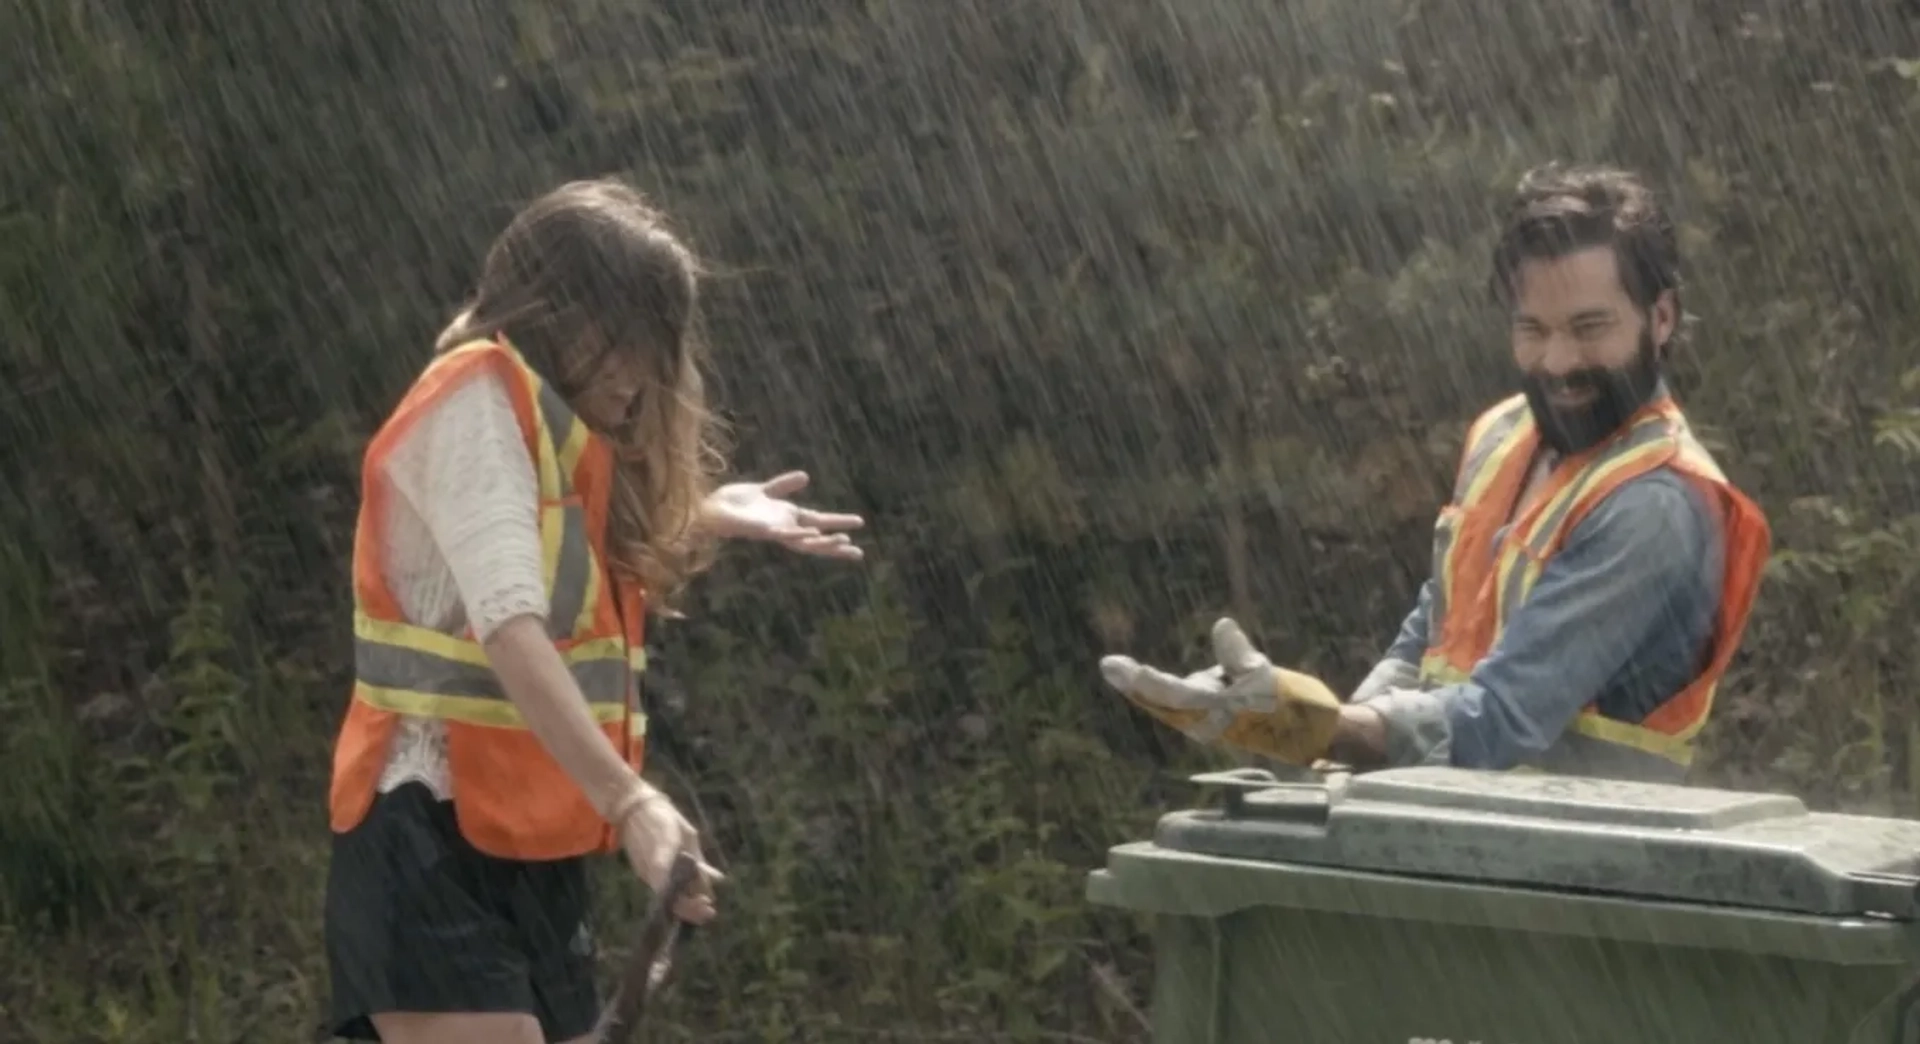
[1361, 739]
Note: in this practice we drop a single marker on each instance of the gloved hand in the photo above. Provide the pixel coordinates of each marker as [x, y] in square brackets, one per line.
[1244, 702]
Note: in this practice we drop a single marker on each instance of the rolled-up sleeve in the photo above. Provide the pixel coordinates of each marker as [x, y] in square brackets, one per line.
[1417, 726]
[1411, 643]
[1400, 667]
[1621, 575]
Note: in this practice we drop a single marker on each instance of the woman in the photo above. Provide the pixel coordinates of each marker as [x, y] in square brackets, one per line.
[545, 483]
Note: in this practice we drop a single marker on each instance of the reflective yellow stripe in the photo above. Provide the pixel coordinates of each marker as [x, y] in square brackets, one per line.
[572, 446]
[393, 632]
[1577, 753]
[1435, 670]
[1592, 744]
[637, 666]
[1477, 488]
[1490, 441]
[1446, 532]
[553, 482]
[1480, 424]
[1509, 436]
[552, 418]
[590, 593]
[1697, 456]
[553, 528]
[567, 560]
[1650, 435]
[602, 679]
[1522, 559]
[468, 348]
[1529, 575]
[569, 566]
[416, 670]
[1677, 747]
[472, 710]
[1629, 741]
[453, 647]
[1487, 431]
[1504, 586]
[556, 428]
[571, 435]
[563, 583]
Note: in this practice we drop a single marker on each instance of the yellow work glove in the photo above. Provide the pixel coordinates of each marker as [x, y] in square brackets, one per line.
[1244, 702]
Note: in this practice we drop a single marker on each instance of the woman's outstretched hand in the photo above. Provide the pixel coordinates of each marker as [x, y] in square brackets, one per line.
[760, 511]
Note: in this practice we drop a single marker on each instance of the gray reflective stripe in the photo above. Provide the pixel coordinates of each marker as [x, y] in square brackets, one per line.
[1443, 539]
[557, 418]
[1577, 754]
[570, 574]
[1478, 453]
[1653, 431]
[1511, 594]
[393, 667]
[571, 571]
[1444, 535]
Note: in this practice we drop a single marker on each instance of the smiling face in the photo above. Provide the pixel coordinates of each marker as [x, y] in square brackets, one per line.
[1587, 268]
[1589, 358]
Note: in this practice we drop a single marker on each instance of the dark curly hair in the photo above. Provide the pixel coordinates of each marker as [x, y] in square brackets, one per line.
[1557, 210]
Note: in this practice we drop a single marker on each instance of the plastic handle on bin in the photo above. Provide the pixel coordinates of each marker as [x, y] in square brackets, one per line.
[1237, 785]
[1889, 895]
[1239, 777]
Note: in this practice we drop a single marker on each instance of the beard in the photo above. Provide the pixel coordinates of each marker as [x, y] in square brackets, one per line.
[1619, 393]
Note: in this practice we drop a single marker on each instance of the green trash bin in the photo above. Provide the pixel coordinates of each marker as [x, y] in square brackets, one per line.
[1446, 906]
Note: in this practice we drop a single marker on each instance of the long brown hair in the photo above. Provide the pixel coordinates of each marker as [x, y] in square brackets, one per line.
[592, 268]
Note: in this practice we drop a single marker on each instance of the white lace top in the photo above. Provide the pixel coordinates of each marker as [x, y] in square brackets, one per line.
[463, 541]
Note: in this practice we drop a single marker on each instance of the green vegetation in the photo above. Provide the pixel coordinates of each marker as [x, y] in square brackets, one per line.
[1111, 314]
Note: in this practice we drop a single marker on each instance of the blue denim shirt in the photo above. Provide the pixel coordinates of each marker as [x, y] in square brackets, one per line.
[1620, 616]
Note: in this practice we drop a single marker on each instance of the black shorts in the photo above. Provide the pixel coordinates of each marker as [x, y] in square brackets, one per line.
[419, 920]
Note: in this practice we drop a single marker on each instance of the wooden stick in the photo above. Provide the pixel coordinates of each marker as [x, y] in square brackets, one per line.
[651, 959]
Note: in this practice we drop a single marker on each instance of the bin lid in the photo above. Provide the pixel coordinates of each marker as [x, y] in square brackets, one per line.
[1647, 840]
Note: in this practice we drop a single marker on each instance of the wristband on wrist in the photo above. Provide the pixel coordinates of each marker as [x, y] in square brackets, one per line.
[630, 802]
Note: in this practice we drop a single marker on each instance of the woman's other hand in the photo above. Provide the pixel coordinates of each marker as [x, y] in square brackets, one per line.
[760, 511]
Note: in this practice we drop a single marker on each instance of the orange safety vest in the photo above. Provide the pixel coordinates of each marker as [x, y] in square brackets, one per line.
[511, 799]
[1479, 583]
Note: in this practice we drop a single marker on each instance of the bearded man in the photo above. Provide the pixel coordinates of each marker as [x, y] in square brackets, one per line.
[1594, 569]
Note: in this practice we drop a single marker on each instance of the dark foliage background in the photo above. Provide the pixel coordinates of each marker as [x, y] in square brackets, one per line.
[1111, 314]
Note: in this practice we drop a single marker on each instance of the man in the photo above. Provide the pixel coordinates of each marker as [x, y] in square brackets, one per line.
[1592, 573]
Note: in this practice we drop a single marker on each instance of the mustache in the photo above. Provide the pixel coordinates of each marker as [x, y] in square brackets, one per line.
[1592, 378]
